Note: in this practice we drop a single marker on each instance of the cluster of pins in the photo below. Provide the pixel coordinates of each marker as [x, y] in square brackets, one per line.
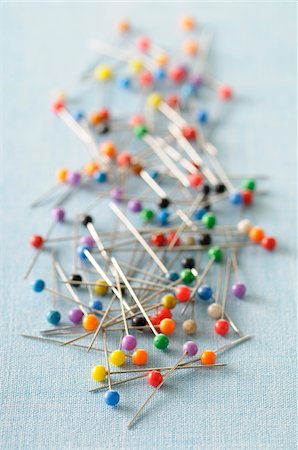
[158, 179]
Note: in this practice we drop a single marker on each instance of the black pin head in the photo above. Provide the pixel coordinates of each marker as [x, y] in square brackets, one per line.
[205, 240]
[86, 219]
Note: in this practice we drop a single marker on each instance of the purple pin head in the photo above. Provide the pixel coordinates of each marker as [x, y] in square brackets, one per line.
[75, 315]
[196, 80]
[190, 348]
[87, 240]
[134, 205]
[239, 290]
[73, 178]
[117, 194]
[129, 342]
[58, 214]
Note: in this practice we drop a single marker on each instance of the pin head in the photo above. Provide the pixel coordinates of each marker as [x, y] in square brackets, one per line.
[189, 240]
[138, 321]
[129, 342]
[61, 175]
[73, 178]
[90, 322]
[136, 65]
[172, 276]
[124, 159]
[117, 358]
[103, 72]
[136, 120]
[164, 203]
[204, 292]
[154, 100]
[249, 183]
[100, 176]
[147, 215]
[209, 220]
[221, 327]
[108, 148]
[208, 357]
[111, 397]
[187, 23]
[117, 194]
[38, 285]
[189, 327]
[146, 78]
[101, 287]
[177, 73]
[87, 240]
[190, 348]
[182, 293]
[154, 378]
[220, 188]
[99, 373]
[198, 215]
[124, 82]
[140, 357]
[167, 326]
[187, 276]
[216, 253]
[190, 133]
[81, 251]
[85, 219]
[164, 313]
[161, 59]
[188, 263]
[191, 47]
[158, 240]
[169, 301]
[269, 243]
[161, 341]
[256, 234]
[244, 226]
[58, 214]
[53, 317]
[239, 290]
[225, 92]
[75, 280]
[96, 304]
[205, 240]
[236, 198]
[134, 205]
[143, 43]
[214, 311]
[162, 217]
[123, 26]
[75, 315]
[173, 101]
[202, 116]
[195, 179]
[36, 241]
[140, 131]
[247, 196]
[172, 236]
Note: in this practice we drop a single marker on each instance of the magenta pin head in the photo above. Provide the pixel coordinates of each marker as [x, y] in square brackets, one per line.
[129, 342]
[87, 240]
[134, 205]
[58, 214]
[117, 194]
[239, 290]
[73, 178]
[190, 348]
[75, 315]
[196, 80]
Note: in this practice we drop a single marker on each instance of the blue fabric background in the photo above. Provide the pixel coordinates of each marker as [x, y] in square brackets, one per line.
[45, 402]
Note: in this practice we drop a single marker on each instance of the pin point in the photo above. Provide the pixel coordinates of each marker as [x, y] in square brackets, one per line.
[189, 349]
